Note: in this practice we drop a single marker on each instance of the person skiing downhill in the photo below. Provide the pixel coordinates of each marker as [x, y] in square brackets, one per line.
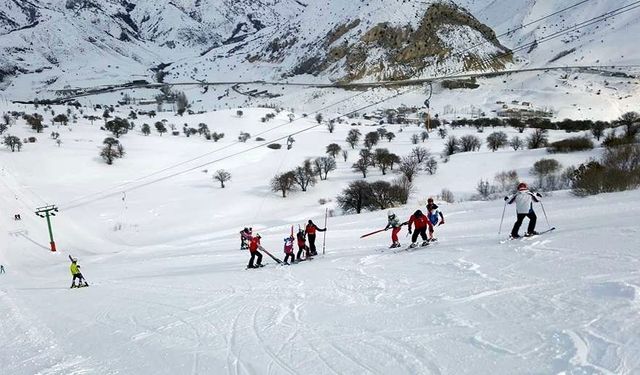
[75, 272]
[288, 250]
[254, 244]
[310, 231]
[524, 199]
[421, 224]
[302, 246]
[435, 216]
[395, 226]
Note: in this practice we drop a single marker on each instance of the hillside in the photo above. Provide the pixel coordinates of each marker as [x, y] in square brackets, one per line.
[169, 292]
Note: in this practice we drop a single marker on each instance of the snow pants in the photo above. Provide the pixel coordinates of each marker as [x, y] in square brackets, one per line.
[300, 250]
[394, 234]
[312, 243]
[255, 254]
[419, 231]
[532, 223]
[289, 255]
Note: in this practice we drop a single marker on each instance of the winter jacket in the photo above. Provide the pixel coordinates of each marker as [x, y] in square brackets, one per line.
[75, 268]
[524, 201]
[254, 244]
[301, 239]
[435, 216]
[288, 246]
[420, 221]
[312, 228]
[393, 223]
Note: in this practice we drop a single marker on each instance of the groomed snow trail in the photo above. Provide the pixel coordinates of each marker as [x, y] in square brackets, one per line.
[564, 302]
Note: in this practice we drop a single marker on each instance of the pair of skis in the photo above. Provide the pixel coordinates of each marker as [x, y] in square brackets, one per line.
[527, 237]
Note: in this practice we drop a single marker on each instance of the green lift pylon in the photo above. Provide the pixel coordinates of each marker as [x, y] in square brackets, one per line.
[47, 212]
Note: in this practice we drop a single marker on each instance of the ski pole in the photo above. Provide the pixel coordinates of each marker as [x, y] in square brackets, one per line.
[545, 214]
[324, 236]
[502, 218]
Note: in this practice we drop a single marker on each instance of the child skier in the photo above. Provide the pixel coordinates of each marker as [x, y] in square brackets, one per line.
[310, 230]
[524, 208]
[75, 271]
[395, 226]
[245, 236]
[254, 244]
[302, 246]
[435, 216]
[421, 223]
[288, 250]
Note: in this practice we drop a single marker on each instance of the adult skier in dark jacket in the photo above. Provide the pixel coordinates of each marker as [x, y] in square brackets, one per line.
[524, 199]
[421, 223]
[310, 231]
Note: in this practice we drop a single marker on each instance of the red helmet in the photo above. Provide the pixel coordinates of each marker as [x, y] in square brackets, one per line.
[522, 186]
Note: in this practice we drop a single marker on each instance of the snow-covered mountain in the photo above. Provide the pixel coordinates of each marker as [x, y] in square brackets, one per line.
[56, 44]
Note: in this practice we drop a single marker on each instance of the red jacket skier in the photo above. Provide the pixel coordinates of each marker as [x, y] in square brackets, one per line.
[254, 245]
[310, 230]
[421, 223]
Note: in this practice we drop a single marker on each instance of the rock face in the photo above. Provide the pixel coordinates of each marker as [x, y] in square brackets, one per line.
[402, 51]
[77, 42]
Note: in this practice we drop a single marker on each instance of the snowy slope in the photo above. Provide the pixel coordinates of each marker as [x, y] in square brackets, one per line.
[169, 292]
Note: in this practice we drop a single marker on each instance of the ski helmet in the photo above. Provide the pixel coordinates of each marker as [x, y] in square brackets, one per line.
[522, 186]
[430, 200]
[391, 214]
[258, 235]
[417, 213]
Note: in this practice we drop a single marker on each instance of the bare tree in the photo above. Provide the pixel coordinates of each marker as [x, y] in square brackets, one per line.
[431, 165]
[516, 143]
[415, 139]
[371, 139]
[537, 139]
[304, 175]
[382, 156]
[333, 150]
[496, 140]
[389, 136]
[283, 182]
[331, 125]
[181, 102]
[345, 155]
[353, 137]
[470, 143]
[112, 150]
[361, 166]
[355, 197]
[420, 154]
[222, 176]
[409, 167]
[324, 165]
[13, 143]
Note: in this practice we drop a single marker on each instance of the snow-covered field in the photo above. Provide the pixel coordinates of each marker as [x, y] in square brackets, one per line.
[170, 294]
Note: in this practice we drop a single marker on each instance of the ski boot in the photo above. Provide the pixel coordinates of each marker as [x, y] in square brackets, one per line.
[425, 243]
[531, 234]
[413, 244]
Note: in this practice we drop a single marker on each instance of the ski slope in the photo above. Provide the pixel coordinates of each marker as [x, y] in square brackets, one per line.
[170, 294]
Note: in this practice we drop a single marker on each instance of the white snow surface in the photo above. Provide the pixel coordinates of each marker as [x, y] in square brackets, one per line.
[170, 294]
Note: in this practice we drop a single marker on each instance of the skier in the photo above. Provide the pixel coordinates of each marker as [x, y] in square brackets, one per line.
[310, 230]
[302, 246]
[395, 226]
[75, 271]
[421, 223]
[288, 250]
[2, 269]
[524, 208]
[254, 244]
[435, 216]
[245, 236]
[17, 217]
